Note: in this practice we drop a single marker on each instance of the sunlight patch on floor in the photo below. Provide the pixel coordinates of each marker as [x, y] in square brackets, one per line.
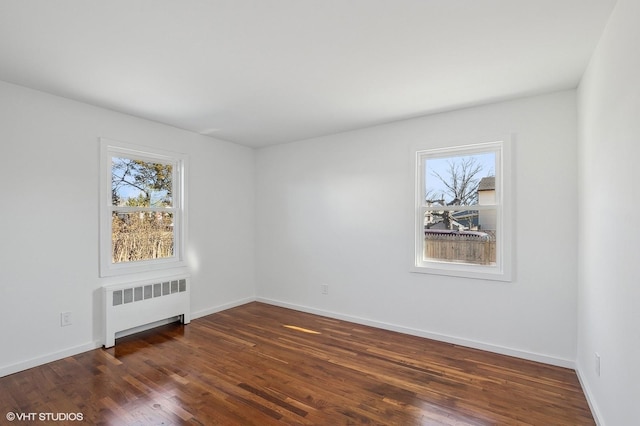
[304, 330]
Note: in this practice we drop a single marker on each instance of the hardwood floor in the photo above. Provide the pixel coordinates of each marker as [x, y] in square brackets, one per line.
[265, 365]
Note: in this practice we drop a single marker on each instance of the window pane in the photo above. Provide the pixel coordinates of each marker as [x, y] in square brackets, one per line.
[466, 240]
[463, 218]
[138, 183]
[141, 235]
[459, 180]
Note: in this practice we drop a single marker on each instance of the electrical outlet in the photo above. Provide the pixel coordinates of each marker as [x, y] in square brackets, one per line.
[324, 288]
[65, 319]
[597, 364]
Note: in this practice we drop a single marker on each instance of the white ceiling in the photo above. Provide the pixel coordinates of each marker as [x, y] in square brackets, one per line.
[262, 72]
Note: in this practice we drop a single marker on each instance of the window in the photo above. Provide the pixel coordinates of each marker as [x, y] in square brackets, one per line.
[142, 209]
[463, 215]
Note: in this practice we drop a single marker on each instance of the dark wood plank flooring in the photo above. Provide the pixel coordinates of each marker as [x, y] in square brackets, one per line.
[263, 365]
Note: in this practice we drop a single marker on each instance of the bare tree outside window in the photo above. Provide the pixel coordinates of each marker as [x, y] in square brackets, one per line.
[452, 222]
[460, 180]
[142, 221]
[463, 211]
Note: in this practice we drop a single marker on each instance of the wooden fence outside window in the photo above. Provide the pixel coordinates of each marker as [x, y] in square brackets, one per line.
[477, 248]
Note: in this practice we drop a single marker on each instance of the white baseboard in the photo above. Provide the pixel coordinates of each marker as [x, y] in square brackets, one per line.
[531, 356]
[223, 307]
[54, 356]
[590, 399]
[34, 362]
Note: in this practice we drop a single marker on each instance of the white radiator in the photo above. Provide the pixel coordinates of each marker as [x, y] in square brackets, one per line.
[140, 303]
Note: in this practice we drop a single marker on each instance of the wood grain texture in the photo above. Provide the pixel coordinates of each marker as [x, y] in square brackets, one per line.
[263, 365]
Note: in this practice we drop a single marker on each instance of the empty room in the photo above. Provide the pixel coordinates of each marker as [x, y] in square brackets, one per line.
[313, 212]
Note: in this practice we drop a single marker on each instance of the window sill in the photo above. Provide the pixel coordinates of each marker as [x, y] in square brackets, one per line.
[488, 273]
[141, 267]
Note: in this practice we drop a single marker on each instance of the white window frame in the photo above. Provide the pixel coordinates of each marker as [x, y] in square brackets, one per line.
[503, 269]
[108, 150]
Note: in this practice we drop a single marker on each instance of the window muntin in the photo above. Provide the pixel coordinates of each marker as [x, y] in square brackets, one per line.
[142, 209]
[461, 225]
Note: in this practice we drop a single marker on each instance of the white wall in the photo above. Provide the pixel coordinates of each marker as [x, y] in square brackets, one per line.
[49, 220]
[609, 284]
[338, 210]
